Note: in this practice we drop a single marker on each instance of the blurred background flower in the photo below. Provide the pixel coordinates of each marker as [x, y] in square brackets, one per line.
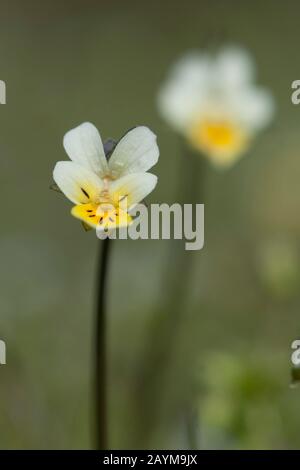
[213, 101]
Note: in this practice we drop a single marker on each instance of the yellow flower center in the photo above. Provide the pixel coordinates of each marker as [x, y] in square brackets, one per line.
[223, 141]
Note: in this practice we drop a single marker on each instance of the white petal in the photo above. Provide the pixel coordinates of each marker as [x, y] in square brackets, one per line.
[233, 68]
[135, 187]
[83, 144]
[255, 106]
[136, 152]
[79, 184]
[193, 68]
[185, 92]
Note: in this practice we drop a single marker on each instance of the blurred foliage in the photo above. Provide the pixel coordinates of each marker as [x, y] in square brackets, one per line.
[67, 62]
[295, 376]
[279, 268]
[243, 404]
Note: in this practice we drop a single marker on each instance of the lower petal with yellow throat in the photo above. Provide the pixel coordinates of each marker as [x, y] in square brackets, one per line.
[103, 216]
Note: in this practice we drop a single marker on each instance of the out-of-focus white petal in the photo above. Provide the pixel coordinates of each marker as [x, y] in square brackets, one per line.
[183, 94]
[132, 187]
[233, 68]
[79, 184]
[83, 144]
[136, 152]
[193, 68]
[255, 106]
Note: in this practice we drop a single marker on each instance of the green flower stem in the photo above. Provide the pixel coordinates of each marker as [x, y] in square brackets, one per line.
[192, 427]
[160, 369]
[100, 350]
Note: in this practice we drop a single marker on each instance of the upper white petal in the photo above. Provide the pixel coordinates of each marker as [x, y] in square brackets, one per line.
[193, 68]
[79, 184]
[136, 152]
[186, 90]
[233, 68]
[135, 187]
[83, 144]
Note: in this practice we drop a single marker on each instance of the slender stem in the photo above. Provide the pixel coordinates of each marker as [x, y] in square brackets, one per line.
[192, 427]
[190, 190]
[100, 350]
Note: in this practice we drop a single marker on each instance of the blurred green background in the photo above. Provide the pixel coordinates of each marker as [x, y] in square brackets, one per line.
[217, 375]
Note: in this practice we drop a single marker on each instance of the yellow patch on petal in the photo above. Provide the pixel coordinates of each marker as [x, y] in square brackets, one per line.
[86, 213]
[111, 218]
[222, 141]
[104, 216]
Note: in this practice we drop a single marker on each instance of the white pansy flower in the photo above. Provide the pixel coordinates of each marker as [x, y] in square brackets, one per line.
[215, 104]
[105, 189]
